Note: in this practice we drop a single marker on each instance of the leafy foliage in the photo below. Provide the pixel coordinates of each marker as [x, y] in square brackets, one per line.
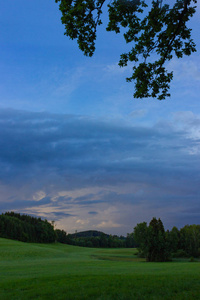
[81, 18]
[156, 31]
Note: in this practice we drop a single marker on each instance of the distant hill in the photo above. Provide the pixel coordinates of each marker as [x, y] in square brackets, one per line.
[89, 233]
[92, 238]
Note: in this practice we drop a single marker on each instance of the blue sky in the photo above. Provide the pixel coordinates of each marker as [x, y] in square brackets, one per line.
[75, 146]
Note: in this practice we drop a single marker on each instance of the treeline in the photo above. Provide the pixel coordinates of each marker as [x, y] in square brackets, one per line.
[95, 239]
[184, 242]
[26, 228]
[156, 244]
[152, 241]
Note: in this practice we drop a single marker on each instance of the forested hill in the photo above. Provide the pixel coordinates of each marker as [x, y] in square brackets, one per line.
[89, 233]
[26, 228]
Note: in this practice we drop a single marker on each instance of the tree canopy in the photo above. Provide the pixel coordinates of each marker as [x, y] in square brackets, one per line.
[155, 30]
[152, 241]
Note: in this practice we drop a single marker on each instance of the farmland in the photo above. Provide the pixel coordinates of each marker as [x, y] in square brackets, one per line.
[57, 271]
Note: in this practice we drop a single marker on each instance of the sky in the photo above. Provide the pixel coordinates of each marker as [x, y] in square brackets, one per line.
[75, 146]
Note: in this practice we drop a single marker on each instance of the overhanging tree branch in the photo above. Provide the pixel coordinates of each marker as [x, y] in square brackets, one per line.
[155, 31]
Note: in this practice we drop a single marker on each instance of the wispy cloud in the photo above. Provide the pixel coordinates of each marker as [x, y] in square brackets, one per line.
[187, 70]
[116, 69]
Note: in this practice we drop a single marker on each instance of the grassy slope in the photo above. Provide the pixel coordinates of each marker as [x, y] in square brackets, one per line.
[56, 271]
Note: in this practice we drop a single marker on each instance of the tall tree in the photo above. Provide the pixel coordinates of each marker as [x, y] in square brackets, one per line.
[141, 237]
[157, 246]
[156, 32]
[152, 240]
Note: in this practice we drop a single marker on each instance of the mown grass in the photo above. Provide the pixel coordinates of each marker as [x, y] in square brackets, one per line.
[56, 271]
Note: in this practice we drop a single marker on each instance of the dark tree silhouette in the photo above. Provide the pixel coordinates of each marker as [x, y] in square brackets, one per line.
[152, 240]
[155, 31]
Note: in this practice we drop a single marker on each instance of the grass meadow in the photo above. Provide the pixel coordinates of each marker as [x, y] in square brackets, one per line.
[57, 271]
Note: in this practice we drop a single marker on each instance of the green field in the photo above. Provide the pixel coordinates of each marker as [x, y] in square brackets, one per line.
[56, 271]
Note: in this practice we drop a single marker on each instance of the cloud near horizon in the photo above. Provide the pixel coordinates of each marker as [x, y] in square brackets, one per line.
[88, 173]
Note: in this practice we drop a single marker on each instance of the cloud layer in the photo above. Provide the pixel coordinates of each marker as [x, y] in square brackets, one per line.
[87, 173]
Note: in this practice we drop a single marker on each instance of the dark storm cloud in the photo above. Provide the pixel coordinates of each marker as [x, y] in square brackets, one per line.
[88, 148]
[20, 204]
